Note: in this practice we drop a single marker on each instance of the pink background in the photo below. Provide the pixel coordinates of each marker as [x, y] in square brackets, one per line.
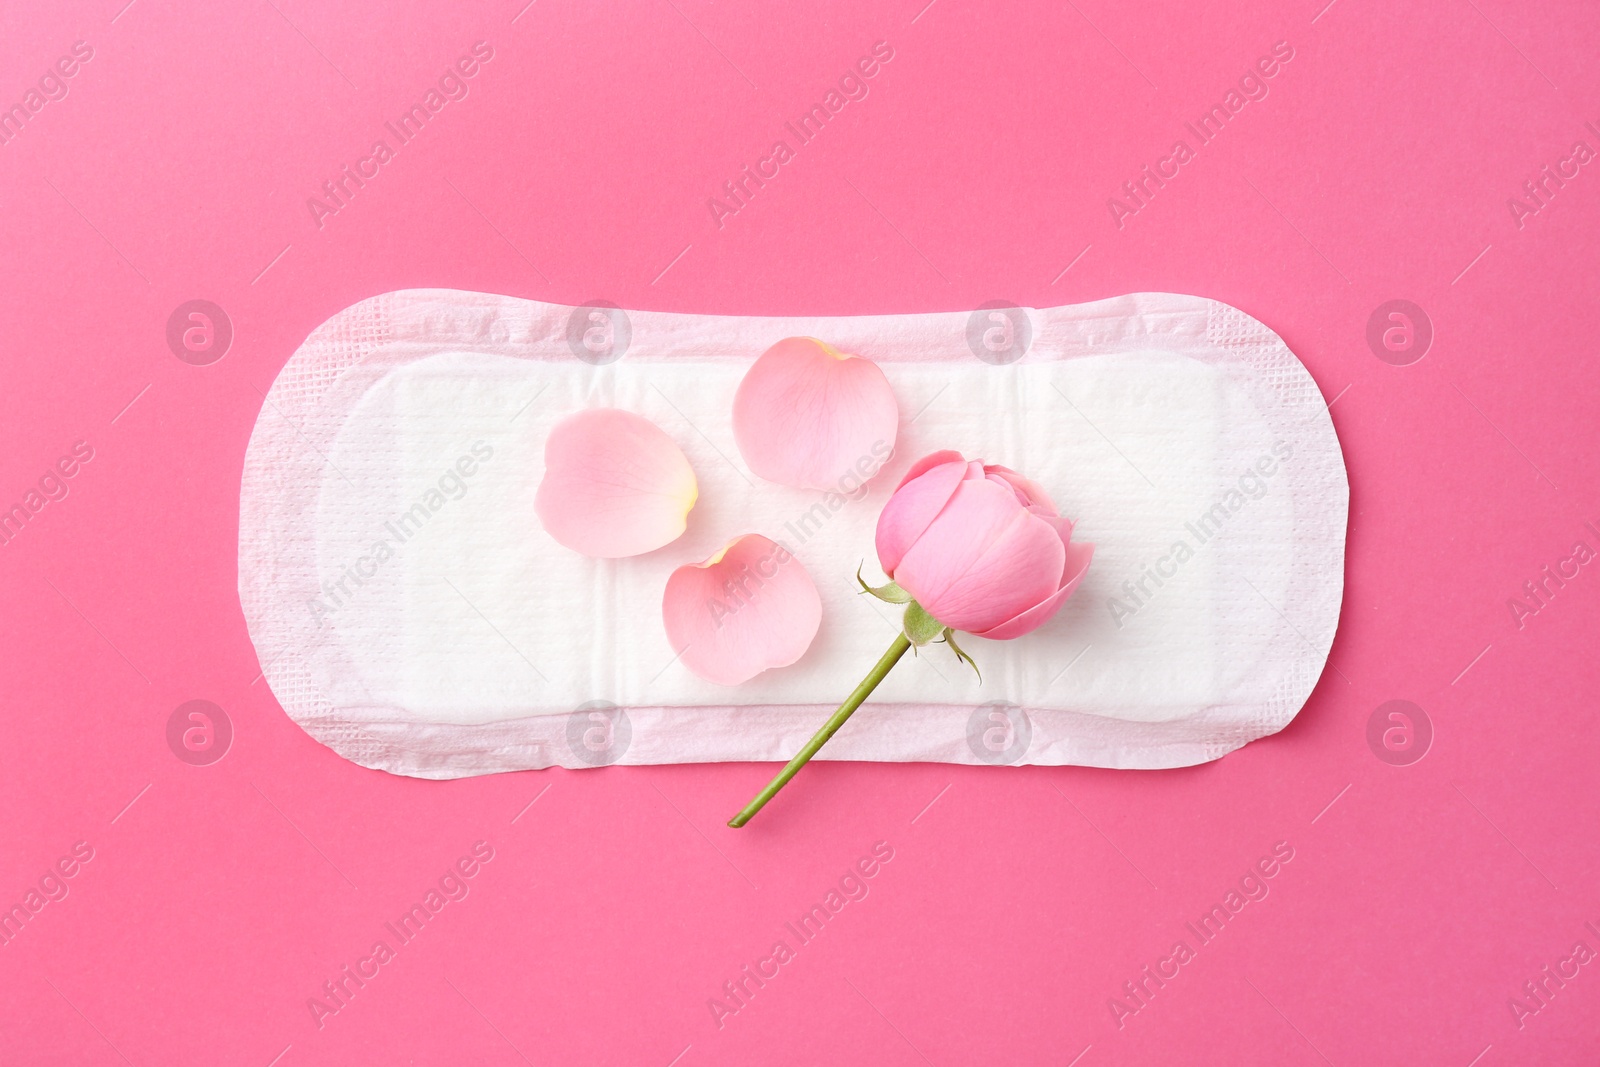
[1419, 899]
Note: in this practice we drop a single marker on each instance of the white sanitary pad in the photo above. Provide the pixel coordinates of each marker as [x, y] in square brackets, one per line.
[410, 612]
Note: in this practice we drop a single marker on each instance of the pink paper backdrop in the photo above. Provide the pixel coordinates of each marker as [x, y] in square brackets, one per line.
[1379, 166]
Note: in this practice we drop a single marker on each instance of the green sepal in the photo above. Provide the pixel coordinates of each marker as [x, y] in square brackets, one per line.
[919, 627]
[889, 593]
[950, 639]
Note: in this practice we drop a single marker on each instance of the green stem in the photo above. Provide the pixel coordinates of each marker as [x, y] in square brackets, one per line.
[831, 727]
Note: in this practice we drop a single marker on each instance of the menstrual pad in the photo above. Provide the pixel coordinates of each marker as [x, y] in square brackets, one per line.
[410, 612]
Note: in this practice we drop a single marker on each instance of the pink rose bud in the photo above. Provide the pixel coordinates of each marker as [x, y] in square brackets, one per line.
[979, 547]
[967, 546]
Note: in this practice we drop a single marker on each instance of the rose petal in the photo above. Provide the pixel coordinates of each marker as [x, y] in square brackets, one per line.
[983, 560]
[614, 485]
[749, 608]
[930, 461]
[1077, 563]
[1031, 492]
[912, 507]
[809, 416]
[1062, 527]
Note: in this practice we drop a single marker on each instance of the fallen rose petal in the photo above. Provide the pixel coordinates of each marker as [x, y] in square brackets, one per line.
[809, 416]
[614, 485]
[749, 608]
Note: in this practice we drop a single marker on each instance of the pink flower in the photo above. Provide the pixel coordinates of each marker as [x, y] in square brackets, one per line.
[967, 546]
[979, 547]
